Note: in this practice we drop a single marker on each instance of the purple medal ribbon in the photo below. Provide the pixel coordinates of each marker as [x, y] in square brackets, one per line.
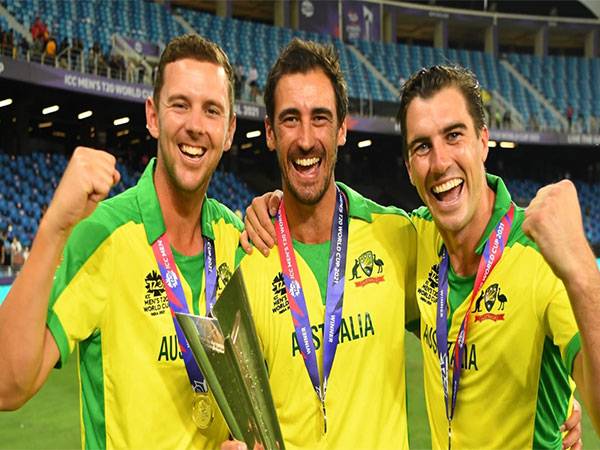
[174, 289]
[492, 252]
[334, 299]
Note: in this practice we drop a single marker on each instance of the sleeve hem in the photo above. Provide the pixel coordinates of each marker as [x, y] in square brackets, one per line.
[60, 337]
[571, 351]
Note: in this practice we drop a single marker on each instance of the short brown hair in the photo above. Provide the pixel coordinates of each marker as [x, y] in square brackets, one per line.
[195, 47]
[427, 82]
[301, 57]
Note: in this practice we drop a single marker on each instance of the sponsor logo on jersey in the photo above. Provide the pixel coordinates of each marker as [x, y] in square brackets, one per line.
[428, 291]
[155, 299]
[490, 299]
[469, 357]
[354, 327]
[280, 300]
[223, 276]
[367, 264]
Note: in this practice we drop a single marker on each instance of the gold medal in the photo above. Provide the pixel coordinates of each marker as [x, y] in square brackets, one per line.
[202, 412]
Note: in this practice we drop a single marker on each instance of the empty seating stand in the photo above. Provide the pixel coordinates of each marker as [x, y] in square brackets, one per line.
[28, 182]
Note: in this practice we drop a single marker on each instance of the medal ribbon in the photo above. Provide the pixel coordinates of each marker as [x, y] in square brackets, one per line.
[174, 289]
[492, 252]
[334, 299]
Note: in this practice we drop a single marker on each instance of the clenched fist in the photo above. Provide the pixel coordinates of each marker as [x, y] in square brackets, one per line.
[87, 180]
[553, 220]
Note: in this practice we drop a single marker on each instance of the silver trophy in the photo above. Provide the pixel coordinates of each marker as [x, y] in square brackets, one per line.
[226, 347]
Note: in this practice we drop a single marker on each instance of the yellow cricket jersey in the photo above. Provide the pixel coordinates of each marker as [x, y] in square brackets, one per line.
[515, 387]
[108, 297]
[366, 401]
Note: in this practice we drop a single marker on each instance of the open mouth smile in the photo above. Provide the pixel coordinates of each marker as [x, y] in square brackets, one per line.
[306, 165]
[191, 151]
[449, 190]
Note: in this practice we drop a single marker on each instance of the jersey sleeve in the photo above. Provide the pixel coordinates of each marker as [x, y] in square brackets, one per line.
[557, 315]
[412, 315]
[81, 287]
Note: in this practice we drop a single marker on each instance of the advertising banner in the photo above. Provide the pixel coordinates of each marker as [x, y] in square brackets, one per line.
[361, 20]
[319, 16]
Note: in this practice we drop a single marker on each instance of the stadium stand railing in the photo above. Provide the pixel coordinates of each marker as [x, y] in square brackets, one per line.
[560, 80]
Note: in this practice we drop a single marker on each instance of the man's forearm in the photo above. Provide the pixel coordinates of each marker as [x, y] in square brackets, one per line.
[584, 294]
[23, 318]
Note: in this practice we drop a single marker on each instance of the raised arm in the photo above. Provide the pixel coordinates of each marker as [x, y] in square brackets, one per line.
[27, 349]
[553, 220]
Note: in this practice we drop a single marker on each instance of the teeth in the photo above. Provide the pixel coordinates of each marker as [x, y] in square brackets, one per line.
[305, 162]
[447, 185]
[194, 151]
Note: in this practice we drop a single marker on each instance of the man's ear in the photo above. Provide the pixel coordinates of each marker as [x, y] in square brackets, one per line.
[407, 165]
[152, 117]
[341, 134]
[230, 132]
[270, 134]
[484, 139]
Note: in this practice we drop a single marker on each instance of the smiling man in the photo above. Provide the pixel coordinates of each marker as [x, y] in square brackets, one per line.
[107, 299]
[331, 344]
[522, 341]
[497, 306]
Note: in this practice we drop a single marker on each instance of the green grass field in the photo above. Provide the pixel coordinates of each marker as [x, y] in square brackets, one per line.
[51, 419]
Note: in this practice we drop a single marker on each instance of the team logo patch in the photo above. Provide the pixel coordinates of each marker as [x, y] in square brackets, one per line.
[367, 262]
[490, 299]
[223, 276]
[427, 292]
[155, 299]
[280, 300]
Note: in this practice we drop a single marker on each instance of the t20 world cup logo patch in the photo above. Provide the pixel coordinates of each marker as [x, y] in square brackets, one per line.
[367, 264]
[280, 300]
[155, 300]
[428, 291]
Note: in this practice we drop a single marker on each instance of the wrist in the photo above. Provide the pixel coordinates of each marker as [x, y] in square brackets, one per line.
[51, 228]
[583, 273]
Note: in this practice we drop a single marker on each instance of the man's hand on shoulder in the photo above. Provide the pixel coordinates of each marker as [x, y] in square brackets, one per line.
[259, 229]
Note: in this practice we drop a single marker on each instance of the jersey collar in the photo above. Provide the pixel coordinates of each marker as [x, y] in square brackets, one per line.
[501, 206]
[357, 204]
[151, 213]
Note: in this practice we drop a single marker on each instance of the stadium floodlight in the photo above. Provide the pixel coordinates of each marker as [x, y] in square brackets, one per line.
[50, 109]
[492, 144]
[84, 114]
[507, 144]
[5, 102]
[366, 143]
[253, 134]
[121, 121]
[44, 124]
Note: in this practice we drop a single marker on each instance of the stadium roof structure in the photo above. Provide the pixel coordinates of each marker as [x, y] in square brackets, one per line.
[584, 9]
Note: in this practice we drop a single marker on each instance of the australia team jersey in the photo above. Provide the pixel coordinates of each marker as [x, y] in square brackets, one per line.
[365, 402]
[108, 297]
[515, 387]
